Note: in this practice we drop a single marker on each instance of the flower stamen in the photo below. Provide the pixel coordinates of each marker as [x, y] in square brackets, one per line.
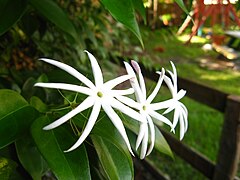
[144, 108]
[99, 94]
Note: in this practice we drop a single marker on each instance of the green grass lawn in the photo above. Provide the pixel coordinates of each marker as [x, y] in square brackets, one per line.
[187, 59]
[204, 123]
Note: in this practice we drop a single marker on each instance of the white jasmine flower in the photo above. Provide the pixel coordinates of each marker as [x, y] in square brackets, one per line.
[99, 94]
[145, 108]
[180, 111]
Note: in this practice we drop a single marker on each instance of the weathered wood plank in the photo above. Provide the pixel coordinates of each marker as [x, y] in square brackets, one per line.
[197, 160]
[154, 171]
[204, 94]
[229, 151]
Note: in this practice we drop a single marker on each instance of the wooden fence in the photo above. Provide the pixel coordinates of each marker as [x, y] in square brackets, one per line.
[229, 146]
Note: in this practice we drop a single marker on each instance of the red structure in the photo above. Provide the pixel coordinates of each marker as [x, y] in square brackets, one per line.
[219, 11]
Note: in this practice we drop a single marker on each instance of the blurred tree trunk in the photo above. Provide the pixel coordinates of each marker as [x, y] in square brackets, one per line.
[155, 13]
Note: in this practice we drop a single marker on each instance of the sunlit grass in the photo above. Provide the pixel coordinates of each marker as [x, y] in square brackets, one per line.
[195, 39]
[225, 80]
[187, 59]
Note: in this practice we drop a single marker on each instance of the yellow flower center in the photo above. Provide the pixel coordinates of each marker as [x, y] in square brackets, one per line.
[144, 108]
[99, 94]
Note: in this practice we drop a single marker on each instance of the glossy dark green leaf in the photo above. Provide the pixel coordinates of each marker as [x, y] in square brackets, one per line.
[38, 104]
[10, 13]
[114, 162]
[182, 5]
[105, 129]
[123, 11]
[161, 144]
[55, 14]
[30, 157]
[16, 116]
[52, 143]
[139, 7]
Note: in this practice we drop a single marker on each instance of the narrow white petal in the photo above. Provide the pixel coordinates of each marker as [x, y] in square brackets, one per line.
[175, 118]
[136, 66]
[182, 127]
[156, 89]
[184, 108]
[174, 74]
[160, 117]
[71, 71]
[121, 92]
[130, 102]
[63, 86]
[152, 134]
[162, 105]
[91, 121]
[170, 86]
[114, 82]
[144, 144]
[126, 110]
[129, 69]
[186, 123]
[88, 102]
[170, 109]
[140, 76]
[142, 85]
[134, 83]
[172, 77]
[141, 133]
[118, 124]
[185, 115]
[97, 73]
[180, 94]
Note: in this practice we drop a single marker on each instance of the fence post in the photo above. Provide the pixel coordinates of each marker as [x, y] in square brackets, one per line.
[229, 150]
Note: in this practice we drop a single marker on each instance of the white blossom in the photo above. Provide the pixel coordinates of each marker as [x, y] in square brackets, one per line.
[100, 95]
[180, 111]
[144, 106]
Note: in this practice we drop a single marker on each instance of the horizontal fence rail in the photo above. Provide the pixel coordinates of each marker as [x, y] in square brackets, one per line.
[229, 150]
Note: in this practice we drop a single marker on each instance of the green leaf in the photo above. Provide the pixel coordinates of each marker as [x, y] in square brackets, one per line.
[123, 11]
[161, 144]
[55, 14]
[139, 7]
[182, 6]
[10, 13]
[52, 143]
[28, 88]
[37, 103]
[114, 162]
[30, 157]
[105, 129]
[16, 116]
